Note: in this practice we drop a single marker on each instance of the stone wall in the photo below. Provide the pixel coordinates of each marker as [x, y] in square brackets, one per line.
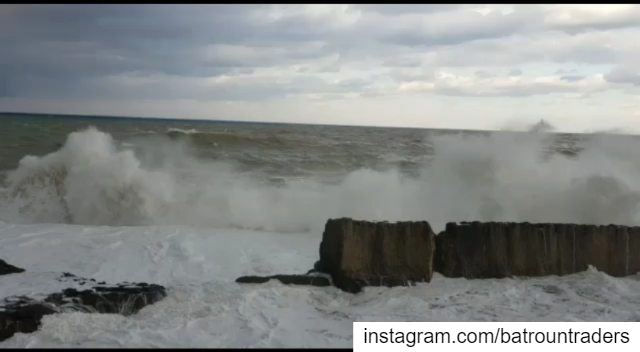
[364, 253]
[502, 249]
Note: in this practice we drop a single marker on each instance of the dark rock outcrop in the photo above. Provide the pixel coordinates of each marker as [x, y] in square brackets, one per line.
[6, 268]
[311, 280]
[125, 299]
[23, 314]
[362, 253]
[497, 249]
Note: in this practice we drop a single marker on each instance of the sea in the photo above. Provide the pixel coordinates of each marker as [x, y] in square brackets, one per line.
[193, 204]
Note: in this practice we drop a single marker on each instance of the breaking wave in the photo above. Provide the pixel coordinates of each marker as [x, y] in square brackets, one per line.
[178, 131]
[95, 180]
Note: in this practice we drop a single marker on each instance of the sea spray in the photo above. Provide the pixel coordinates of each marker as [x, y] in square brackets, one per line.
[92, 179]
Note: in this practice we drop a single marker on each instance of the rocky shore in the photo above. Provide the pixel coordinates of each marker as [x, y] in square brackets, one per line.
[356, 254]
[23, 313]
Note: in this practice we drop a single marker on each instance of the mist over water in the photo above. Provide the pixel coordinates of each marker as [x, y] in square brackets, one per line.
[167, 179]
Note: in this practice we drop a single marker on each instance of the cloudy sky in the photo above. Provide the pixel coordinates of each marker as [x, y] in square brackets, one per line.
[441, 66]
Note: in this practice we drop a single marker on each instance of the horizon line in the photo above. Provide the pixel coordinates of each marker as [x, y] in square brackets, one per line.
[98, 116]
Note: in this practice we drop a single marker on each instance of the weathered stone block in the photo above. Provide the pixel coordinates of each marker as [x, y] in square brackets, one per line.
[495, 249]
[362, 253]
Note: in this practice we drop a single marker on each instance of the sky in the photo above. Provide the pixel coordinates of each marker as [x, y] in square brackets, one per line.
[436, 66]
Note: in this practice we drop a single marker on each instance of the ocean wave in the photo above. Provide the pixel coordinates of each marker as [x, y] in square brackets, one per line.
[92, 179]
[174, 130]
[227, 139]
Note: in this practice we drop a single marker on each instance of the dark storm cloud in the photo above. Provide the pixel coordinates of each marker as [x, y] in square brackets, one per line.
[264, 51]
[72, 42]
[93, 38]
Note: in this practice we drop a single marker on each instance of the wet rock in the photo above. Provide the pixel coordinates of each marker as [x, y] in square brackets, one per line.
[6, 268]
[362, 253]
[125, 300]
[551, 289]
[23, 314]
[311, 280]
[503, 249]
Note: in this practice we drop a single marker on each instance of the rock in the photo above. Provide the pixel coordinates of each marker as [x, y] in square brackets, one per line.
[362, 253]
[23, 314]
[6, 268]
[125, 300]
[312, 280]
[503, 249]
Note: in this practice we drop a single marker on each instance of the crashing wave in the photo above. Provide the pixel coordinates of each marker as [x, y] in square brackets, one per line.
[494, 177]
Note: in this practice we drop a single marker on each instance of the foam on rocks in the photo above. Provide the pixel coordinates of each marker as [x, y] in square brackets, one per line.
[23, 314]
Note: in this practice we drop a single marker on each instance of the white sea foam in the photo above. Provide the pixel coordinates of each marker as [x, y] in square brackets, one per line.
[181, 130]
[92, 180]
[206, 308]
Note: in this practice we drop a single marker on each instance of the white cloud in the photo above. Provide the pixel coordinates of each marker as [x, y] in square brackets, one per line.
[593, 16]
[331, 16]
[448, 83]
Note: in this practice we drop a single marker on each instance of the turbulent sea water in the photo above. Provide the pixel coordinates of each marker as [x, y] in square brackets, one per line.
[192, 205]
